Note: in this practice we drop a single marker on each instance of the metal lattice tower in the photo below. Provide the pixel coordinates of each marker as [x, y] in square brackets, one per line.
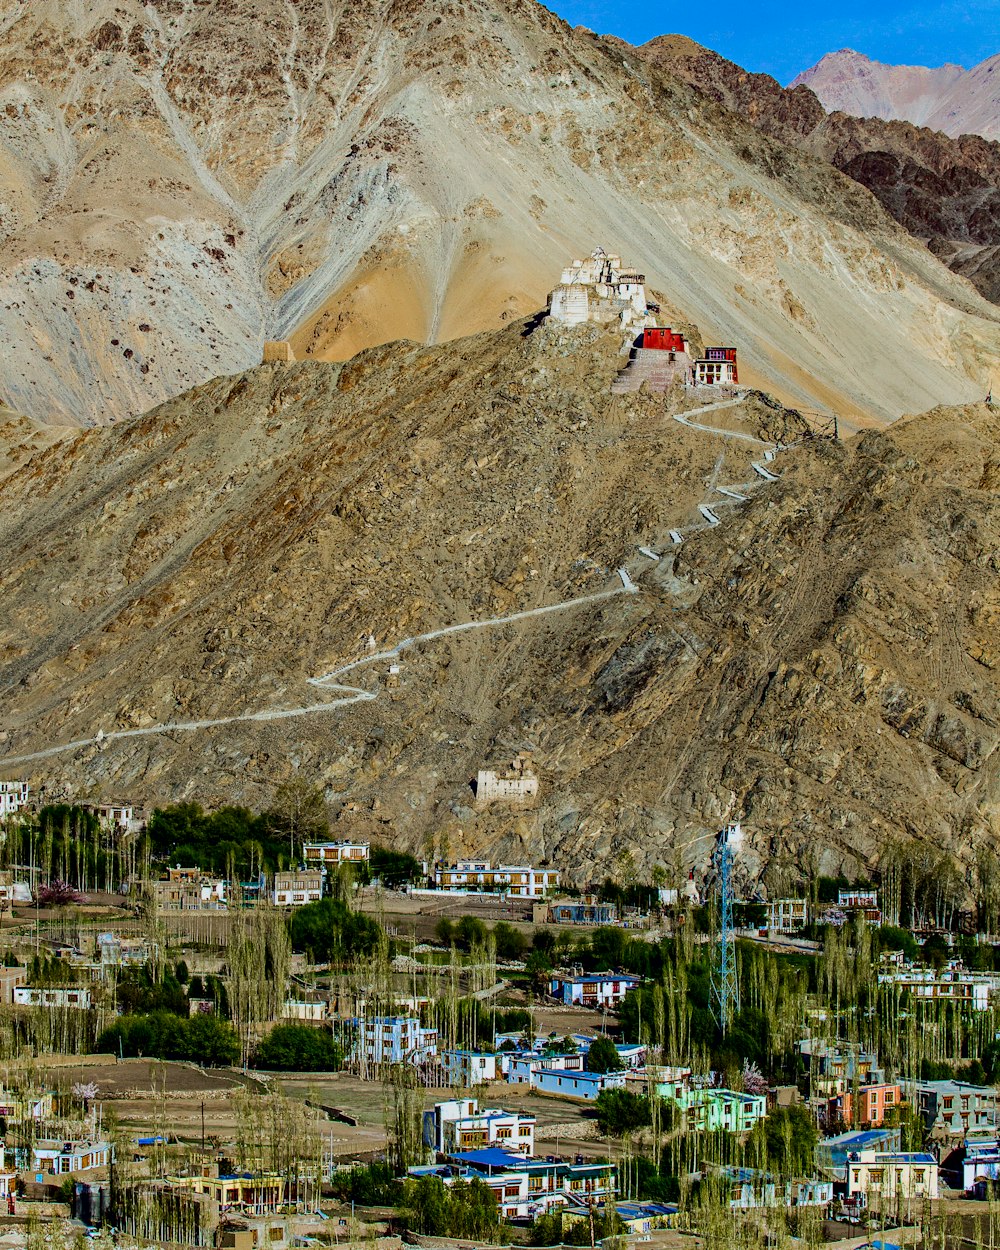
[725, 985]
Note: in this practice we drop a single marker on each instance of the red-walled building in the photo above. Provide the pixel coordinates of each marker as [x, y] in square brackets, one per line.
[717, 367]
[663, 339]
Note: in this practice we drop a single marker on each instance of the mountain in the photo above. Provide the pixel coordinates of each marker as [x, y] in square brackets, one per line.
[949, 98]
[181, 180]
[824, 661]
[945, 192]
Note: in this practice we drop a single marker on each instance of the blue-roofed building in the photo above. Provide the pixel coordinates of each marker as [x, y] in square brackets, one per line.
[573, 1084]
[595, 989]
[638, 1217]
[832, 1152]
[750, 1188]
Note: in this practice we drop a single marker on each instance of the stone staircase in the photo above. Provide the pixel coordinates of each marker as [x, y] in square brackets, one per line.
[656, 368]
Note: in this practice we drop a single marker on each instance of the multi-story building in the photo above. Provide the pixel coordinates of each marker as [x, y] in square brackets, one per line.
[13, 796]
[864, 901]
[955, 1108]
[189, 889]
[330, 854]
[873, 1101]
[116, 818]
[971, 990]
[750, 1189]
[595, 989]
[459, 1125]
[394, 1039]
[250, 1193]
[469, 1067]
[296, 889]
[787, 915]
[835, 1067]
[13, 892]
[526, 1188]
[709, 1110]
[470, 876]
[520, 1069]
[871, 1173]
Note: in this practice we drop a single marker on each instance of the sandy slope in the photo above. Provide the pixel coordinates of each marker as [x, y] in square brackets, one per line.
[180, 182]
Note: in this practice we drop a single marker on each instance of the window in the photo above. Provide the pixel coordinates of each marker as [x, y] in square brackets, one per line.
[524, 1130]
[511, 1191]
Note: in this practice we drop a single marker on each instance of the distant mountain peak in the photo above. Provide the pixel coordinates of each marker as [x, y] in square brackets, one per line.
[947, 97]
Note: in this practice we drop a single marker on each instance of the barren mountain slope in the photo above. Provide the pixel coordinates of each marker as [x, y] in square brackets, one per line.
[824, 661]
[944, 191]
[180, 180]
[948, 98]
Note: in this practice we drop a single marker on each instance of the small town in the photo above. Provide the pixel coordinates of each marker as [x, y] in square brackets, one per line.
[233, 1029]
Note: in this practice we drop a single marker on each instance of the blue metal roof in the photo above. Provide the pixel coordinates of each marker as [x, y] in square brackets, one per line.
[492, 1157]
[574, 1073]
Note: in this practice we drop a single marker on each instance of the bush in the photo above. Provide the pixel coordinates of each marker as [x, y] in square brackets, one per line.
[603, 1056]
[510, 942]
[161, 1035]
[619, 1111]
[298, 1048]
[330, 930]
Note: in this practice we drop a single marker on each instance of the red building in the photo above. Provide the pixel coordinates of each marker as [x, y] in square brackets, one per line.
[719, 366]
[663, 339]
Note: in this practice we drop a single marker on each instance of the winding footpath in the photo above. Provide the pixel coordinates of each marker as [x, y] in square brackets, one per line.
[347, 694]
[329, 681]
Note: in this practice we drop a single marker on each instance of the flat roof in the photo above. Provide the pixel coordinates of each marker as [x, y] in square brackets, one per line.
[491, 1157]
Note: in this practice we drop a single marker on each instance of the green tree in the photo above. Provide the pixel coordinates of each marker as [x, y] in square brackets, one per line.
[603, 1056]
[298, 1048]
[510, 942]
[619, 1111]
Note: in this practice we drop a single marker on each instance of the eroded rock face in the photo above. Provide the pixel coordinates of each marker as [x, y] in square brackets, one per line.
[943, 190]
[825, 662]
[181, 181]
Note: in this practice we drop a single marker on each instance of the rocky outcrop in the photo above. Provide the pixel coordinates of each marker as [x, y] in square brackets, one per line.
[824, 662]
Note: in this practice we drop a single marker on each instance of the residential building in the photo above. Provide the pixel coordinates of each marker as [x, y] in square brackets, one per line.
[596, 989]
[18, 1107]
[469, 876]
[666, 1080]
[114, 951]
[296, 889]
[832, 1153]
[873, 1173]
[787, 915]
[459, 1125]
[710, 1110]
[516, 788]
[639, 1218]
[972, 990]
[60, 1158]
[717, 367]
[873, 1101]
[394, 1039]
[469, 1067]
[77, 997]
[297, 1009]
[189, 889]
[8, 1175]
[13, 892]
[251, 1193]
[117, 818]
[13, 796]
[980, 1160]
[520, 1069]
[955, 1108]
[572, 1083]
[585, 911]
[526, 1188]
[837, 1066]
[10, 979]
[864, 901]
[750, 1189]
[330, 854]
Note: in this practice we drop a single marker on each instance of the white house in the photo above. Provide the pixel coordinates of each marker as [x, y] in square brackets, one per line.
[299, 1009]
[296, 889]
[75, 996]
[597, 989]
[524, 1188]
[574, 1084]
[8, 1176]
[873, 1173]
[470, 876]
[459, 1125]
[519, 1069]
[62, 1157]
[13, 796]
[787, 915]
[394, 1039]
[334, 853]
[118, 818]
[469, 1067]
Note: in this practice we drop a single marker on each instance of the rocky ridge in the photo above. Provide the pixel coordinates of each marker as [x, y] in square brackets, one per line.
[944, 191]
[948, 98]
[183, 179]
[824, 662]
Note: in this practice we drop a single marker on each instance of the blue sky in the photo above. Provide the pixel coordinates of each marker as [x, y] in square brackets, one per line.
[782, 38]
